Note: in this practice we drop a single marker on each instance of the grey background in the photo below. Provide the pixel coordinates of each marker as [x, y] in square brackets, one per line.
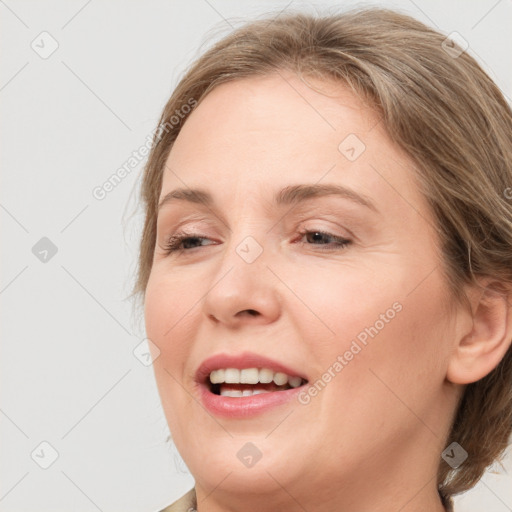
[69, 376]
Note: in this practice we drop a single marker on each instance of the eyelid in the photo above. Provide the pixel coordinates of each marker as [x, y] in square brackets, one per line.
[338, 229]
[189, 223]
[199, 222]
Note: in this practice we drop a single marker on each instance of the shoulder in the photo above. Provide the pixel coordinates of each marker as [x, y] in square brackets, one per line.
[187, 503]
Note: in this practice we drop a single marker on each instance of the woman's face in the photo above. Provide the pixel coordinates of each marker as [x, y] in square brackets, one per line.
[359, 310]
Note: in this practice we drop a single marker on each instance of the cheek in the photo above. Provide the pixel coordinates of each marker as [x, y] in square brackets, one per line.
[401, 361]
[336, 304]
[170, 313]
[169, 316]
[169, 304]
[387, 326]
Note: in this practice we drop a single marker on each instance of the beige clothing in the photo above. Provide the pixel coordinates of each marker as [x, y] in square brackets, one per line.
[188, 503]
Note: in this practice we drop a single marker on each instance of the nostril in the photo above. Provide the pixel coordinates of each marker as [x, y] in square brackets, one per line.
[252, 312]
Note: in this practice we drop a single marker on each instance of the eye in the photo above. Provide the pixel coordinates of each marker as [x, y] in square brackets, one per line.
[315, 235]
[189, 241]
[176, 241]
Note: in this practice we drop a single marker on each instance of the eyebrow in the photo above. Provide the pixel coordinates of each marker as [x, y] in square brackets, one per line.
[290, 195]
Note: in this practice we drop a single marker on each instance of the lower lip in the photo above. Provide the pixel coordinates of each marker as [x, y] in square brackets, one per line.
[245, 406]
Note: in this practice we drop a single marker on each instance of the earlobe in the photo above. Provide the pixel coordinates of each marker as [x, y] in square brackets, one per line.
[478, 351]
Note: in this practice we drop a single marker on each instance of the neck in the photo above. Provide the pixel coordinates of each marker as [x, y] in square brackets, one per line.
[407, 499]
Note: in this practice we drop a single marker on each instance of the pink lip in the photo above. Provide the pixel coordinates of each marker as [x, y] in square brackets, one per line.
[243, 407]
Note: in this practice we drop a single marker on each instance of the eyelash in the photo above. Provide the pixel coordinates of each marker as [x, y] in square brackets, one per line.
[173, 242]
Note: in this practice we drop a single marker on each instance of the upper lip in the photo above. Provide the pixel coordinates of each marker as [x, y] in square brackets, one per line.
[242, 361]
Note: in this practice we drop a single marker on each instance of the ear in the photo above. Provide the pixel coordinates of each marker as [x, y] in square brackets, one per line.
[486, 336]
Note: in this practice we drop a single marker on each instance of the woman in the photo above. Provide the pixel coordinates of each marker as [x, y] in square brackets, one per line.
[326, 267]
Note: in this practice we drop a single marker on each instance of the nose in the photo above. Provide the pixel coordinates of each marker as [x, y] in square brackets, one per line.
[243, 291]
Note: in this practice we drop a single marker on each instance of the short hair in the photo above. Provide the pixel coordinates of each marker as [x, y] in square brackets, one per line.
[438, 105]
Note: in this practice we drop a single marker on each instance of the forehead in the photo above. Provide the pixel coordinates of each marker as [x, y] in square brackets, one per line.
[279, 114]
[253, 136]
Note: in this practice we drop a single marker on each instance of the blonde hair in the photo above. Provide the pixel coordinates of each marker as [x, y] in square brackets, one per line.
[437, 105]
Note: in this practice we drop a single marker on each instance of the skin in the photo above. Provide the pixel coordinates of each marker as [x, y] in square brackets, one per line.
[371, 439]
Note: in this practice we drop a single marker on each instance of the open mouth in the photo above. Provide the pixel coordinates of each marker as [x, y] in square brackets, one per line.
[232, 382]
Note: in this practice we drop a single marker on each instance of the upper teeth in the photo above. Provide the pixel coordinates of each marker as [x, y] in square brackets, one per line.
[252, 376]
